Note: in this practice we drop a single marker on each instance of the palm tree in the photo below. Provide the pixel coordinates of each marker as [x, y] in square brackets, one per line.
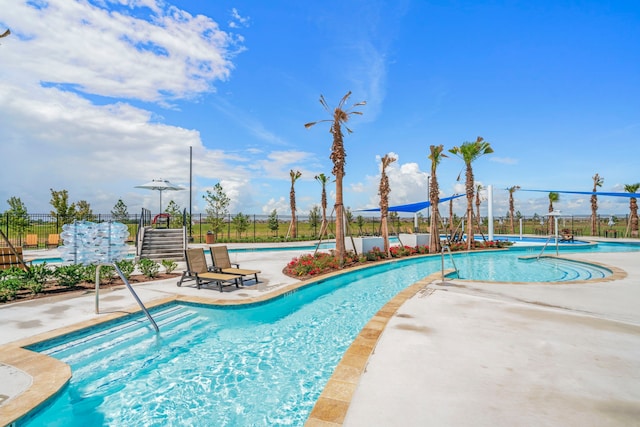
[384, 191]
[323, 179]
[512, 208]
[292, 201]
[434, 198]
[554, 197]
[478, 202]
[338, 155]
[597, 182]
[633, 208]
[470, 152]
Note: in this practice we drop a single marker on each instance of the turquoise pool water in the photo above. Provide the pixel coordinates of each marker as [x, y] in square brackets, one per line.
[263, 365]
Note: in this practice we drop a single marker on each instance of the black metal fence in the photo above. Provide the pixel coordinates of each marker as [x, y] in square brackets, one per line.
[263, 228]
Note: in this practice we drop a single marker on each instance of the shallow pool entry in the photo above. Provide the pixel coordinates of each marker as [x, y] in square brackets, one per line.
[514, 268]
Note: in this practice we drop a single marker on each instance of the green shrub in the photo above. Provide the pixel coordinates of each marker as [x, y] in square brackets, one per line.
[127, 267]
[148, 267]
[9, 288]
[38, 273]
[70, 275]
[169, 265]
[107, 274]
[34, 287]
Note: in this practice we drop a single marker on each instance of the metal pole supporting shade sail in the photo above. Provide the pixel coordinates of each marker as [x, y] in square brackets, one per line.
[160, 185]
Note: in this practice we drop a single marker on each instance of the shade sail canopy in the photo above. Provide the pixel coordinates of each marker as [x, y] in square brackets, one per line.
[588, 193]
[160, 185]
[412, 207]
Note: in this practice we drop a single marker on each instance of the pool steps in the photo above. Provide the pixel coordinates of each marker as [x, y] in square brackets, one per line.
[171, 319]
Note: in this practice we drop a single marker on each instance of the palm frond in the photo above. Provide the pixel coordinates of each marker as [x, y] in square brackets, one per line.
[324, 104]
[344, 99]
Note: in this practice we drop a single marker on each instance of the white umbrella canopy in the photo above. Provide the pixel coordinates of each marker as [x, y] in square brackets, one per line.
[160, 185]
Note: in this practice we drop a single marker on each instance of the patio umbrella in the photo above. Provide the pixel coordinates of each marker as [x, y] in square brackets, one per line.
[160, 185]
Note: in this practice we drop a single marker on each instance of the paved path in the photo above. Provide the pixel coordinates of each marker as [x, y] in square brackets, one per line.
[485, 354]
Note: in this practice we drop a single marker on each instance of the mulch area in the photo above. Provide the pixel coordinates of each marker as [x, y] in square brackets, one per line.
[53, 289]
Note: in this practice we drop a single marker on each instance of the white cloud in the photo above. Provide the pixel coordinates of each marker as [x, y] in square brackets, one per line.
[237, 20]
[280, 205]
[503, 160]
[116, 54]
[63, 52]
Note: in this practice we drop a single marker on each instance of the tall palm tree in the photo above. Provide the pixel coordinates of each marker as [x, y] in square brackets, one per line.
[512, 208]
[479, 188]
[470, 152]
[554, 197]
[436, 155]
[633, 208]
[340, 116]
[597, 182]
[323, 179]
[384, 191]
[292, 201]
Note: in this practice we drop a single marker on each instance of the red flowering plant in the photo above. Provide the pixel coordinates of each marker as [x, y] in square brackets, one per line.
[323, 262]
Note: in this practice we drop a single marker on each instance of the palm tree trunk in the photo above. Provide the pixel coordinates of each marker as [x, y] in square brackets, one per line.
[469, 188]
[340, 249]
[633, 207]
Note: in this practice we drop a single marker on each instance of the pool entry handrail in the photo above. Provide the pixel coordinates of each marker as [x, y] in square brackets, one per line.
[546, 243]
[126, 282]
[451, 258]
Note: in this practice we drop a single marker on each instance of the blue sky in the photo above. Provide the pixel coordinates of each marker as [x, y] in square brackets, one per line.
[100, 96]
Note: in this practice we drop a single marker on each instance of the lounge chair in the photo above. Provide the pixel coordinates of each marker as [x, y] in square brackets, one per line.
[53, 241]
[31, 241]
[197, 270]
[222, 263]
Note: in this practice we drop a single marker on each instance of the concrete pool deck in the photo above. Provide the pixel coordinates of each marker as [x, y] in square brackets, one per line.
[458, 353]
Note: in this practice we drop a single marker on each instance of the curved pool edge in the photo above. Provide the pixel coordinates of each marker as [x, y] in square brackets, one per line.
[333, 403]
[616, 274]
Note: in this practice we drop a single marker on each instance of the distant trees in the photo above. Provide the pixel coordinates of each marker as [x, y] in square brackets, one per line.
[314, 218]
[17, 216]
[83, 211]
[64, 211]
[273, 223]
[119, 212]
[217, 207]
[175, 214]
[241, 223]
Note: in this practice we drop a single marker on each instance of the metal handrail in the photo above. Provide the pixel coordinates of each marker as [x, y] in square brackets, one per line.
[547, 244]
[450, 257]
[126, 282]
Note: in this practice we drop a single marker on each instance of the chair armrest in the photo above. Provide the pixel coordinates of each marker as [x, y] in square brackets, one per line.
[236, 264]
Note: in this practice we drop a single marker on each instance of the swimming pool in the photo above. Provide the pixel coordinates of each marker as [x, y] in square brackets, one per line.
[259, 365]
